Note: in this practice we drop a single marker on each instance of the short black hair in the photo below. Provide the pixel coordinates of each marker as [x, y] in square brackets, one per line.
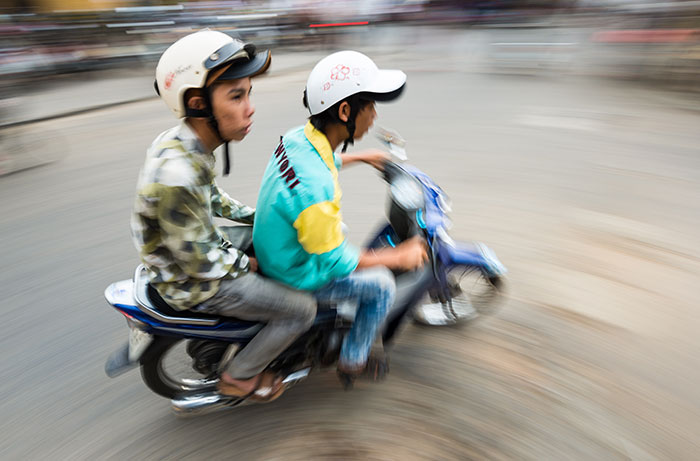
[320, 121]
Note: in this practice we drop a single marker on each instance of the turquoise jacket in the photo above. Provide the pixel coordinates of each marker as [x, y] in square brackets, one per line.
[297, 233]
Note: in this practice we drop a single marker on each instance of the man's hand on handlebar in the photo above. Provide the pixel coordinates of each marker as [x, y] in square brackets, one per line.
[375, 157]
[408, 255]
[411, 254]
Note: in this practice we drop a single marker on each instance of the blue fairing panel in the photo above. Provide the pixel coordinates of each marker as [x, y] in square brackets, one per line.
[476, 254]
[225, 330]
[463, 255]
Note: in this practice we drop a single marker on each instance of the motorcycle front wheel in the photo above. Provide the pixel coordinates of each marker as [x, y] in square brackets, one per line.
[473, 294]
[166, 368]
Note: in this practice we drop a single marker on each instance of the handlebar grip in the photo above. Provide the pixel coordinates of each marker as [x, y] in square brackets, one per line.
[390, 171]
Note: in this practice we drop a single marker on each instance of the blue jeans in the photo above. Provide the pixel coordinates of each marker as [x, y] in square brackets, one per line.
[374, 290]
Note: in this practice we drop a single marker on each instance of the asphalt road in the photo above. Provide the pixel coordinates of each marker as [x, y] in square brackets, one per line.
[587, 190]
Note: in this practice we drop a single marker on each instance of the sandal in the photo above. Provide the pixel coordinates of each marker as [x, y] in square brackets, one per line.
[375, 369]
[270, 388]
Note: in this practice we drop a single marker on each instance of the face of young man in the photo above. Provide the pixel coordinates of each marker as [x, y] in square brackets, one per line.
[365, 120]
[233, 108]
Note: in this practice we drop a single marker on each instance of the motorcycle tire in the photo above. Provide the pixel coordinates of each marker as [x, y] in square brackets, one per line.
[475, 295]
[158, 377]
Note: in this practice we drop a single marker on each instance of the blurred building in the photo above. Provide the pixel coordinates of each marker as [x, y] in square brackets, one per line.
[27, 6]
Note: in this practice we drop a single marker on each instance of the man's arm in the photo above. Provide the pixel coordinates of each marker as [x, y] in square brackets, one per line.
[224, 206]
[190, 235]
[319, 232]
[407, 255]
[373, 157]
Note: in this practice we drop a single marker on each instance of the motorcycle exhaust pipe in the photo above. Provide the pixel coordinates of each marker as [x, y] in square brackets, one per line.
[207, 402]
[195, 405]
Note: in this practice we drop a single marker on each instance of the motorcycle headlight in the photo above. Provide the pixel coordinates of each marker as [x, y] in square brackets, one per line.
[407, 193]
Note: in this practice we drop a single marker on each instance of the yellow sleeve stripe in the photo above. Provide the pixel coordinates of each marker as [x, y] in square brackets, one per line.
[322, 146]
[319, 228]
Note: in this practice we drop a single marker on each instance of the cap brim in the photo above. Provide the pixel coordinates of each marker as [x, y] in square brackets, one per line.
[227, 53]
[387, 86]
[247, 67]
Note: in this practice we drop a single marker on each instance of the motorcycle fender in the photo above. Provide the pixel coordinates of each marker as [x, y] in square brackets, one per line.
[475, 254]
[118, 362]
[128, 355]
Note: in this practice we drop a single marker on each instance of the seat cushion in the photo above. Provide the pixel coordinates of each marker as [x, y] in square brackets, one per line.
[164, 308]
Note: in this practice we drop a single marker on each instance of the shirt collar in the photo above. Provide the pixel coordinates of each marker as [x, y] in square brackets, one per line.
[189, 140]
[322, 146]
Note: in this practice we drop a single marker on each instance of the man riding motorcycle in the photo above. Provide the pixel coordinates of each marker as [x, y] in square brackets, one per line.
[205, 79]
[298, 227]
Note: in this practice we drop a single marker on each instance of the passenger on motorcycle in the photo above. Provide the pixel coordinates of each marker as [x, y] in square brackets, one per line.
[205, 79]
[298, 232]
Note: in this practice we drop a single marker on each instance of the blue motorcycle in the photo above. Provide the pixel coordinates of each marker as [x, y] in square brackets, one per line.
[182, 353]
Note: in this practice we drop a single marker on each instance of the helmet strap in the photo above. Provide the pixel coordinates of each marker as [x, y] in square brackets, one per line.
[209, 114]
[354, 102]
[227, 160]
[198, 113]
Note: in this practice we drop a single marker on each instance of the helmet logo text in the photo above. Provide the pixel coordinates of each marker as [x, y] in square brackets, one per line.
[171, 75]
[169, 80]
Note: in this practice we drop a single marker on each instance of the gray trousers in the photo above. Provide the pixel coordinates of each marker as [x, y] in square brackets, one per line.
[287, 312]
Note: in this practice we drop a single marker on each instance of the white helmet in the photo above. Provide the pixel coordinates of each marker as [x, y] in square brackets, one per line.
[346, 73]
[190, 61]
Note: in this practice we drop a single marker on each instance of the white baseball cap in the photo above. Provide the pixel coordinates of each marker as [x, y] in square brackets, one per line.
[346, 73]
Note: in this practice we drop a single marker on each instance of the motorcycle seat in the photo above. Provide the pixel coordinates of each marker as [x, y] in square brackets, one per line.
[159, 303]
[149, 302]
[167, 309]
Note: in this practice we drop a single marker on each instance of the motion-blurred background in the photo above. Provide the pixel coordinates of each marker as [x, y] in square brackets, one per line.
[643, 39]
[566, 132]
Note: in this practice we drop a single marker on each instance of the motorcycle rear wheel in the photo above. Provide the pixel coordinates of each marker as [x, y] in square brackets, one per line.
[166, 368]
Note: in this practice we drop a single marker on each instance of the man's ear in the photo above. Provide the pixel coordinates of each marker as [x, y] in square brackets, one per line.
[344, 111]
[196, 102]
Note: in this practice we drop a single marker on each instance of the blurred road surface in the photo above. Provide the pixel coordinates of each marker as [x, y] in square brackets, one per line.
[587, 190]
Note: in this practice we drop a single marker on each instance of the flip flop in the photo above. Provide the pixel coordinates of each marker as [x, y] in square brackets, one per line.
[377, 368]
[232, 390]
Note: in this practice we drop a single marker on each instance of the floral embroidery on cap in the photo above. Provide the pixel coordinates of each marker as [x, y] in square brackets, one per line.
[340, 72]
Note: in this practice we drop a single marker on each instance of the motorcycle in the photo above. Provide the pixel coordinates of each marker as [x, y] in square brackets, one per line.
[182, 353]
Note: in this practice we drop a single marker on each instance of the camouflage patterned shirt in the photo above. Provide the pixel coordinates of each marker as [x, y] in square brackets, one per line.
[172, 223]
